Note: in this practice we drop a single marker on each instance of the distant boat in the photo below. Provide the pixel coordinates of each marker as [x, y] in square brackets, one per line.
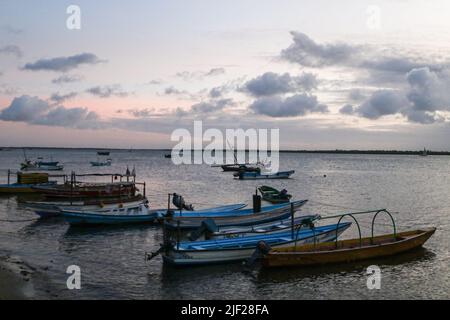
[106, 163]
[168, 156]
[103, 153]
[257, 175]
[28, 165]
[424, 153]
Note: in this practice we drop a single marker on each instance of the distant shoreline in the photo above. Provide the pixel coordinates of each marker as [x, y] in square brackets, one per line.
[337, 151]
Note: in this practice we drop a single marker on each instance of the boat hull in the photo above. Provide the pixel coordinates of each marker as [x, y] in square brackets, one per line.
[348, 250]
[258, 176]
[178, 257]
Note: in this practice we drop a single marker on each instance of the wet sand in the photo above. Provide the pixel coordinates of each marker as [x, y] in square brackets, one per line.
[16, 279]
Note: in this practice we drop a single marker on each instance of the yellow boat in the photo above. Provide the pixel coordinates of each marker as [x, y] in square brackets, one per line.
[347, 250]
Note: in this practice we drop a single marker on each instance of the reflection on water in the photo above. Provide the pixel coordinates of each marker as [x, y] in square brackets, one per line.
[415, 189]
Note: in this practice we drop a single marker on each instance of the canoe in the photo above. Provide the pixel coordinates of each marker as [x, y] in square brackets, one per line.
[272, 195]
[246, 217]
[124, 215]
[264, 228]
[257, 175]
[230, 250]
[347, 250]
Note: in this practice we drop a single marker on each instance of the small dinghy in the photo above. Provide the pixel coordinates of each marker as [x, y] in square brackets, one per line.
[258, 175]
[229, 250]
[272, 195]
[347, 250]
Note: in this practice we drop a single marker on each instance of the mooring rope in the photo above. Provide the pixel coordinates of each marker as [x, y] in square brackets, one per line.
[24, 220]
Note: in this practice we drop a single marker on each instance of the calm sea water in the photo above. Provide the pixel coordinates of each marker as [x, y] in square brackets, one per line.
[415, 189]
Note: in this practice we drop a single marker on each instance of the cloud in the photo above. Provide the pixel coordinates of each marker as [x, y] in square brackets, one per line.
[11, 30]
[155, 82]
[347, 109]
[33, 110]
[307, 52]
[60, 98]
[211, 106]
[108, 91]
[65, 78]
[382, 103]
[271, 83]
[11, 50]
[296, 105]
[199, 75]
[63, 64]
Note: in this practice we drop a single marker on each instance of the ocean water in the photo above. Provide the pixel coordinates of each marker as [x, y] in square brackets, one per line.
[416, 190]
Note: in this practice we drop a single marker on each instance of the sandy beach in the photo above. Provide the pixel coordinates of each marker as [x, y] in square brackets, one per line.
[17, 279]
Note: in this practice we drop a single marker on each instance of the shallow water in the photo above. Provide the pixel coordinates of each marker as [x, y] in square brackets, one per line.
[415, 189]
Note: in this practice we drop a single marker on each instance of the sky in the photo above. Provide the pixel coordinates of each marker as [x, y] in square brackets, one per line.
[328, 74]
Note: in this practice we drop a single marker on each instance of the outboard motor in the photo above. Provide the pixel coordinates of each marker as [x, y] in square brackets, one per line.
[256, 203]
[262, 248]
[207, 226]
[178, 201]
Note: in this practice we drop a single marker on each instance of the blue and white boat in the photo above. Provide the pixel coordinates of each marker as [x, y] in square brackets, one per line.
[229, 250]
[246, 217]
[258, 175]
[265, 228]
[127, 215]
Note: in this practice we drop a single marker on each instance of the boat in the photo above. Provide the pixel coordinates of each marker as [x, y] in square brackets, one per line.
[168, 156]
[25, 182]
[106, 163]
[121, 216]
[53, 208]
[246, 217]
[424, 153]
[88, 190]
[29, 165]
[103, 153]
[272, 195]
[239, 168]
[303, 221]
[231, 250]
[125, 215]
[346, 251]
[258, 175]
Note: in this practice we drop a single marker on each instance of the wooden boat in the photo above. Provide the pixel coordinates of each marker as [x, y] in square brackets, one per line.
[88, 190]
[229, 250]
[123, 215]
[347, 250]
[53, 209]
[273, 195]
[25, 182]
[258, 175]
[303, 221]
[246, 217]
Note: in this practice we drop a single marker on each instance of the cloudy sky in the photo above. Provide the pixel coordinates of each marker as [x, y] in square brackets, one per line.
[328, 74]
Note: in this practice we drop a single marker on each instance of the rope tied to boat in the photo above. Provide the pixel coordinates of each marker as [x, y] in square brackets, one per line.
[18, 221]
